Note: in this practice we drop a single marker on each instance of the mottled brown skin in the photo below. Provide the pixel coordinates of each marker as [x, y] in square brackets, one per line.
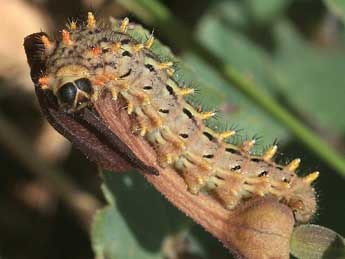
[113, 61]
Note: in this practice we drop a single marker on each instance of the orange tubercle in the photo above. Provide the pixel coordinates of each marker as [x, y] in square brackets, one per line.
[66, 37]
[96, 51]
[43, 81]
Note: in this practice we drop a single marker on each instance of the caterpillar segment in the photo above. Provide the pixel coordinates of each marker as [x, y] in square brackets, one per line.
[89, 60]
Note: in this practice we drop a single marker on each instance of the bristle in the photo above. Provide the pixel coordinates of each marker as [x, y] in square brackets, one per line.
[170, 71]
[247, 145]
[73, 26]
[226, 134]
[91, 21]
[310, 178]
[293, 165]
[138, 47]
[186, 91]
[149, 42]
[267, 156]
[143, 131]
[165, 65]
[206, 115]
[66, 37]
[130, 108]
[124, 25]
[115, 47]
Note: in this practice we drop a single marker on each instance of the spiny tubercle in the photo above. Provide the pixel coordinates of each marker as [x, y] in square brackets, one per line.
[112, 60]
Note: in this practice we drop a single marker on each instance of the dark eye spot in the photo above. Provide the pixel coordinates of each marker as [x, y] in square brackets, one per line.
[184, 135]
[84, 85]
[148, 87]
[255, 159]
[208, 156]
[66, 93]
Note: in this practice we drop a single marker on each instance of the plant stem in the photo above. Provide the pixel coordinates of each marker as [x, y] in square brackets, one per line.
[176, 31]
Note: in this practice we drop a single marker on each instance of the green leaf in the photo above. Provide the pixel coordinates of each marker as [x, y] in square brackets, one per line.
[337, 7]
[310, 80]
[236, 50]
[136, 221]
[265, 10]
[317, 242]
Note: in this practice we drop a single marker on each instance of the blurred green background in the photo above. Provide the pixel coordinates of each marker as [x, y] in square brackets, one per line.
[291, 50]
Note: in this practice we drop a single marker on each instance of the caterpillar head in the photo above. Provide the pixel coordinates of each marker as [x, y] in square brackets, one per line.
[71, 86]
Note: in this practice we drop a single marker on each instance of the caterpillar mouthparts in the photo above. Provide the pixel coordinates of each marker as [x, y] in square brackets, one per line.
[91, 59]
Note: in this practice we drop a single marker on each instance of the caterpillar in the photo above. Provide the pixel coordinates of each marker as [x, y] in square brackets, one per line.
[91, 59]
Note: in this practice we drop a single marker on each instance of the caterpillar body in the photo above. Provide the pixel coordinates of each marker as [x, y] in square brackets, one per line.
[91, 59]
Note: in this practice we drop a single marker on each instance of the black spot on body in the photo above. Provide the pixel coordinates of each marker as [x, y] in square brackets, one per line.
[236, 167]
[188, 113]
[208, 135]
[150, 67]
[170, 90]
[263, 173]
[285, 180]
[164, 111]
[126, 54]
[209, 156]
[255, 159]
[148, 87]
[125, 41]
[126, 74]
[231, 150]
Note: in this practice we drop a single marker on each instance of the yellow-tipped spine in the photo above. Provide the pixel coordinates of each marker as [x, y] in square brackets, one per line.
[124, 25]
[310, 178]
[91, 21]
[293, 165]
[268, 155]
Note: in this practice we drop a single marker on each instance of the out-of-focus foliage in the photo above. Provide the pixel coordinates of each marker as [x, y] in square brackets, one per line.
[337, 6]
